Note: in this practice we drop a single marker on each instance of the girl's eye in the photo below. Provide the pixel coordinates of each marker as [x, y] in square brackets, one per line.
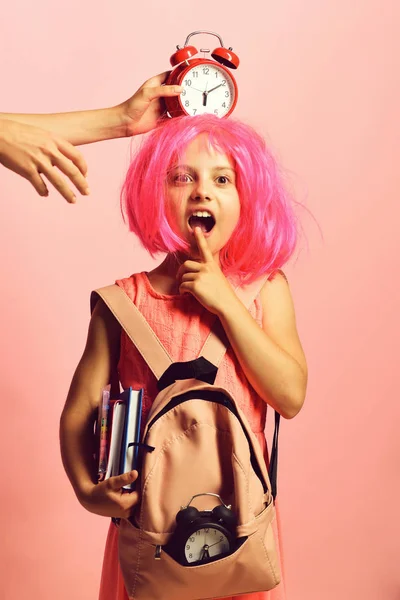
[223, 179]
[182, 178]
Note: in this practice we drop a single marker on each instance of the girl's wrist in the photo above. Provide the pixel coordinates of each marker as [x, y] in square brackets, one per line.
[83, 491]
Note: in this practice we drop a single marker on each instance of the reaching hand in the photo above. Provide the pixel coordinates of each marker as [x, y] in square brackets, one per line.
[108, 499]
[32, 152]
[142, 111]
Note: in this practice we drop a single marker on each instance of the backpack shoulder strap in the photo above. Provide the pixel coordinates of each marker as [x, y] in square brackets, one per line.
[146, 341]
[135, 326]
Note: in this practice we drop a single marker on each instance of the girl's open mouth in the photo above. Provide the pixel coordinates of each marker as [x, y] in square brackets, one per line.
[202, 219]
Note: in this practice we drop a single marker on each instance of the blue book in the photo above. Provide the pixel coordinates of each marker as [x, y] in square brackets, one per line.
[132, 400]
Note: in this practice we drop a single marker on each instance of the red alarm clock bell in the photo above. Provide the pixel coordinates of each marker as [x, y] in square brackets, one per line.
[209, 86]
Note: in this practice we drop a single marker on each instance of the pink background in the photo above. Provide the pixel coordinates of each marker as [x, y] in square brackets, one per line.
[321, 81]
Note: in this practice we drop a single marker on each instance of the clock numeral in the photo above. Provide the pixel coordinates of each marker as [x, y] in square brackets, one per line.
[194, 111]
[187, 547]
[195, 73]
[188, 82]
[198, 532]
[224, 105]
[207, 530]
[192, 539]
[223, 82]
[206, 70]
[226, 94]
[216, 74]
[183, 92]
[221, 537]
[190, 555]
[187, 103]
[216, 112]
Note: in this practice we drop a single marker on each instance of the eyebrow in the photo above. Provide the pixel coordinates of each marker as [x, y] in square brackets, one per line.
[189, 168]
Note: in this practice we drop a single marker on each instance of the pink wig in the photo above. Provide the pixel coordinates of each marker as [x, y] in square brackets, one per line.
[266, 234]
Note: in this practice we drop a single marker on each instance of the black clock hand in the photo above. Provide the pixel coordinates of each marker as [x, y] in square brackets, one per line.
[214, 88]
[214, 544]
[205, 98]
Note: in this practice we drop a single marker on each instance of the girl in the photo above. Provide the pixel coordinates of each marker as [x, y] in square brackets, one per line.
[206, 192]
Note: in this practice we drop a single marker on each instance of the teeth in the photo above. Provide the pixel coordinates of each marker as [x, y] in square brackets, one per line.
[200, 213]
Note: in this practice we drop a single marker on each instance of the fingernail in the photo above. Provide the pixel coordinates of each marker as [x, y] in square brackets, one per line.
[178, 89]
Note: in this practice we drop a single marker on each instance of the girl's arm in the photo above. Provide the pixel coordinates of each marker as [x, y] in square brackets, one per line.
[79, 415]
[272, 358]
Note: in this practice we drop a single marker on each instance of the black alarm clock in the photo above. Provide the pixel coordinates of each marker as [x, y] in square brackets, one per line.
[203, 536]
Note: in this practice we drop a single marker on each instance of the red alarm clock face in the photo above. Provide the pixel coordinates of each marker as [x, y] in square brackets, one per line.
[208, 88]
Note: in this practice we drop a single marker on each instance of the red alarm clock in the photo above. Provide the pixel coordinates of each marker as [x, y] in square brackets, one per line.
[209, 86]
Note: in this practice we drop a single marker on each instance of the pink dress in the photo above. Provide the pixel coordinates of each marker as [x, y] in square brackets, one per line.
[182, 325]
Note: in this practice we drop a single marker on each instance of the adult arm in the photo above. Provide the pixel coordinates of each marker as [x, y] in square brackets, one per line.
[136, 115]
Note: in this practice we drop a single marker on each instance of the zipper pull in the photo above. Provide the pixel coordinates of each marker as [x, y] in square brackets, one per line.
[157, 554]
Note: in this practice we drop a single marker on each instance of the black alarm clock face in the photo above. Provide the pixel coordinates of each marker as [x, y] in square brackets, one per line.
[206, 544]
[208, 88]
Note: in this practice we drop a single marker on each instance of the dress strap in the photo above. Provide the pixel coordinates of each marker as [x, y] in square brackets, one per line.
[216, 343]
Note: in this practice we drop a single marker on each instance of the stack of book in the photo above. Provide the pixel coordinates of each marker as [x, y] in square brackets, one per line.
[119, 429]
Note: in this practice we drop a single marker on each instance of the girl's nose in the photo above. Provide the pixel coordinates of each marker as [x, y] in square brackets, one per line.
[201, 191]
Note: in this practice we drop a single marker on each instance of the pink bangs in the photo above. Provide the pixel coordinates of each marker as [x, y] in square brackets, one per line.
[266, 234]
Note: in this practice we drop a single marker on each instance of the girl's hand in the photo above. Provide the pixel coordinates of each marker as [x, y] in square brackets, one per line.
[205, 280]
[142, 111]
[33, 152]
[108, 499]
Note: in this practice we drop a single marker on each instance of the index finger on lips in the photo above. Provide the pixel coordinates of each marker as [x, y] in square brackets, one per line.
[205, 252]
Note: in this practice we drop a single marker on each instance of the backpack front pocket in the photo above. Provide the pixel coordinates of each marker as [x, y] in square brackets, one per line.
[250, 568]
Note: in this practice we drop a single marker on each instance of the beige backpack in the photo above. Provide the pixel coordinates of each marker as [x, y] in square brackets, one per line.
[202, 528]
